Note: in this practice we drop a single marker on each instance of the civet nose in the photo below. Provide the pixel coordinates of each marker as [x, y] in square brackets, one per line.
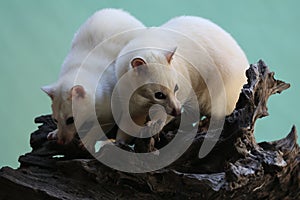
[61, 141]
[176, 112]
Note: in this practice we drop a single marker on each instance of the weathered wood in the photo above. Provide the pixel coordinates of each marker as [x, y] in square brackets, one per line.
[237, 168]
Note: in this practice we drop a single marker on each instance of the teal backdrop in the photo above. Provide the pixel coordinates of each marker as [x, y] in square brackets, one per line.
[35, 37]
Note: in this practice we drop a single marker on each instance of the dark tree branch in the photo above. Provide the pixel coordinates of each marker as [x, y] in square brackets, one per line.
[237, 168]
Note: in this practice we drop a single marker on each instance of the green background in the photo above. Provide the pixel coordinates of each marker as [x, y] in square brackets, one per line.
[35, 37]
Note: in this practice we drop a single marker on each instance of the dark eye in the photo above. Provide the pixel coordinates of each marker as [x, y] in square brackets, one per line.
[70, 120]
[160, 95]
[176, 88]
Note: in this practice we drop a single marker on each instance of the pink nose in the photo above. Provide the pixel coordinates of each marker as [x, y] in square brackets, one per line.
[176, 112]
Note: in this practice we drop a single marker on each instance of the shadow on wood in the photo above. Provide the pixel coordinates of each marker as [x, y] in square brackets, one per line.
[236, 168]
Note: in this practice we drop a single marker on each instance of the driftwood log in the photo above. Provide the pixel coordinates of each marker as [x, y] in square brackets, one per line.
[236, 168]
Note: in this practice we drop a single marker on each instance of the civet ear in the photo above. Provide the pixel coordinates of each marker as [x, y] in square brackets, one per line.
[49, 90]
[78, 91]
[170, 54]
[136, 62]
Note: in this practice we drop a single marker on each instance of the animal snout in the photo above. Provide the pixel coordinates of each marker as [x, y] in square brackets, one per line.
[61, 141]
[65, 139]
[176, 112]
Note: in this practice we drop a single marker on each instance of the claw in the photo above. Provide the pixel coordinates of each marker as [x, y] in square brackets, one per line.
[52, 135]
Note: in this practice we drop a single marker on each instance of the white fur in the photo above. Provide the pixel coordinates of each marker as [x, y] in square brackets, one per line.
[95, 45]
[200, 44]
[224, 53]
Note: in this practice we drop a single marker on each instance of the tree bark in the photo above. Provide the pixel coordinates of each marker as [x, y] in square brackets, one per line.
[237, 168]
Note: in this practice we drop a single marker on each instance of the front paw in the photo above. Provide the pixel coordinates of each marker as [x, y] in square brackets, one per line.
[52, 135]
[152, 128]
[146, 142]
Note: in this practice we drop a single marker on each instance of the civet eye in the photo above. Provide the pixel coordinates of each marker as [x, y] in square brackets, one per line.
[160, 95]
[176, 88]
[69, 121]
